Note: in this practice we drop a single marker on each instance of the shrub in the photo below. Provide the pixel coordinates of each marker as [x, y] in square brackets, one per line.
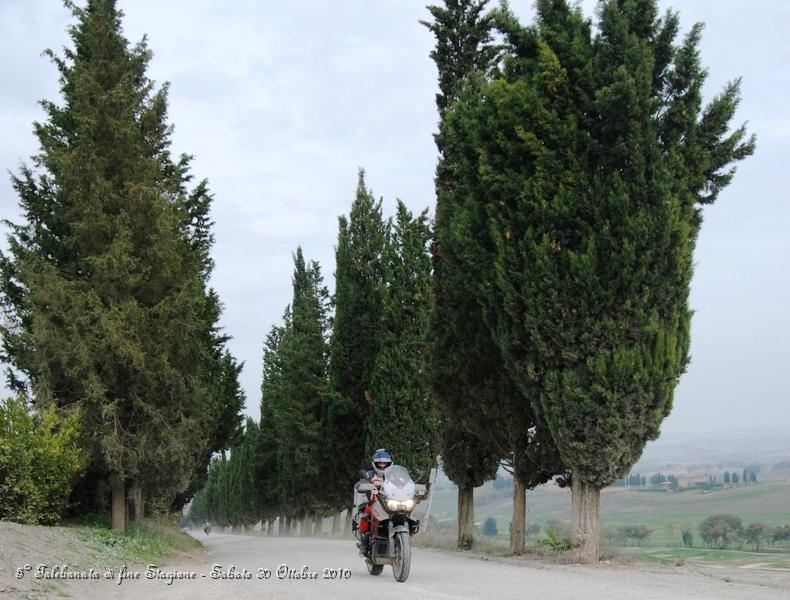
[781, 534]
[555, 542]
[40, 457]
[637, 533]
[755, 534]
[622, 536]
[489, 527]
[721, 530]
[688, 538]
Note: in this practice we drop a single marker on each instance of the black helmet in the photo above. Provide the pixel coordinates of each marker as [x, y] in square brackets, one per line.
[382, 460]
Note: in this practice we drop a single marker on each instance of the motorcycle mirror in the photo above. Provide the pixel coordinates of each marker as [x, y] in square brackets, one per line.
[362, 474]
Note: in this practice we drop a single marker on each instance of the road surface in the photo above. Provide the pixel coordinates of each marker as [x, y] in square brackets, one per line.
[273, 564]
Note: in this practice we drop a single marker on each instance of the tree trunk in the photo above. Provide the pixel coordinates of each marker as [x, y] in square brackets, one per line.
[336, 524]
[136, 495]
[285, 523]
[318, 525]
[304, 526]
[466, 517]
[586, 506]
[349, 517]
[426, 525]
[518, 524]
[118, 504]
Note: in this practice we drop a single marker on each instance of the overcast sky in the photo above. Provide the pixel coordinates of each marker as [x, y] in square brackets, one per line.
[282, 102]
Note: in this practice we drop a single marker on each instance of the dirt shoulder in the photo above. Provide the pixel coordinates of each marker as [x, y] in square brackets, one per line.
[436, 574]
[48, 562]
[756, 572]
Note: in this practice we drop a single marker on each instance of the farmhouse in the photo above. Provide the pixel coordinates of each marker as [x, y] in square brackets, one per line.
[687, 482]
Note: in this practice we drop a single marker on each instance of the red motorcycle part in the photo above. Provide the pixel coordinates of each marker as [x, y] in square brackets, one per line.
[364, 521]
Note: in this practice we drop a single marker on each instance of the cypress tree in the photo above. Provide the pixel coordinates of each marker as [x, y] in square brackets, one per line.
[402, 415]
[301, 451]
[463, 45]
[461, 350]
[469, 376]
[268, 477]
[356, 332]
[246, 508]
[105, 286]
[594, 180]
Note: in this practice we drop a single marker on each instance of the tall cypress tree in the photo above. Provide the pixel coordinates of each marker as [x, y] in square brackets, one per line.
[272, 389]
[356, 331]
[402, 415]
[341, 422]
[301, 451]
[463, 45]
[469, 376]
[461, 369]
[105, 287]
[594, 181]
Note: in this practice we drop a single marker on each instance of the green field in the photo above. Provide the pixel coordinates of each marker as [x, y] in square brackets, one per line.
[763, 560]
[667, 513]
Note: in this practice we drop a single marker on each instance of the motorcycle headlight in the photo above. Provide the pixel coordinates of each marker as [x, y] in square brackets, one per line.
[394, 505]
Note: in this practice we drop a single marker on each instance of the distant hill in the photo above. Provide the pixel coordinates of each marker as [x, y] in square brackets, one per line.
[765, 451]
[733, 449]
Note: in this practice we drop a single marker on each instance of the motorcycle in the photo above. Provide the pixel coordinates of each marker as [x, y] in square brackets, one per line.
[390, 521]
[206, 529]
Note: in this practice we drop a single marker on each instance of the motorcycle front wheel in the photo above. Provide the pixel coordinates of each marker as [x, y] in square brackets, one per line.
[374, 569]
[401, 563]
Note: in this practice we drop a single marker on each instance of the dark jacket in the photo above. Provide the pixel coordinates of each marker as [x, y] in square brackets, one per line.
[367, 479]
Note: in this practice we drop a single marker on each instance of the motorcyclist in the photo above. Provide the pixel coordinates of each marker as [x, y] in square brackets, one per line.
[381, 461]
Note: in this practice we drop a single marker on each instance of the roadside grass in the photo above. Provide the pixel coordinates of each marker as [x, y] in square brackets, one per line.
[704, 556]
[661, 555]
[495, 547]
[487, 546]
[143, 542]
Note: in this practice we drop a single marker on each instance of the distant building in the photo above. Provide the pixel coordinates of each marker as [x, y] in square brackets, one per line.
[690, 482]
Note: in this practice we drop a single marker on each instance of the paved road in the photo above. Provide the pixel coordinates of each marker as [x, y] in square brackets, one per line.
[434, 575]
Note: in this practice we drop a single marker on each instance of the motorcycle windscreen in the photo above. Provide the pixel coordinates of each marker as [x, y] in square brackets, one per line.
[398, 484]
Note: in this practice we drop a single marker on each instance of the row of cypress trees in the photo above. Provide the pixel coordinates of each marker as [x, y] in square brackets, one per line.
[336, 389]
[107, 306]
[575, 160]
